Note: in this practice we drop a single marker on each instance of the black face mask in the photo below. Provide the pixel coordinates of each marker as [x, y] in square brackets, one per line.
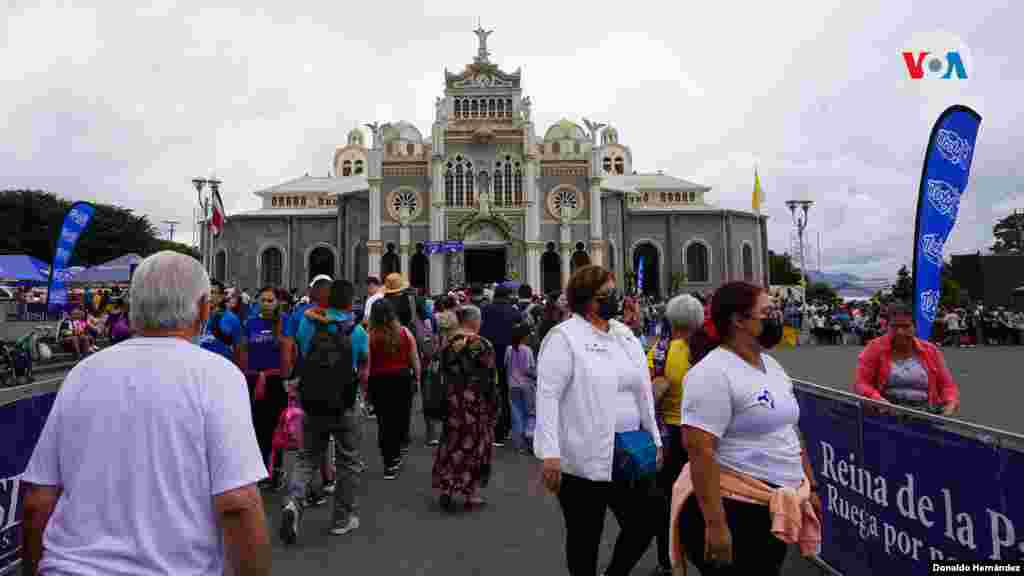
[609, 307]
[771, 333]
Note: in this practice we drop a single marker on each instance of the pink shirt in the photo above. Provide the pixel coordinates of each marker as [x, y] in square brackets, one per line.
[875, 363]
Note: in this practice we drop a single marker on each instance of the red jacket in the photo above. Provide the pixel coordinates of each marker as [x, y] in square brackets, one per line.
[875, 363]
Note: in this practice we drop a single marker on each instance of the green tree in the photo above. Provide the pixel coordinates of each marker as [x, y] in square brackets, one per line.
[37, 216]
[952, 295]
[821, 292]
[161, 245]
[903, 289]
[781, 269]
[1009, 234]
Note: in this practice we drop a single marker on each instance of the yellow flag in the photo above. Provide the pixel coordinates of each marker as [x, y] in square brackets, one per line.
[758, 198]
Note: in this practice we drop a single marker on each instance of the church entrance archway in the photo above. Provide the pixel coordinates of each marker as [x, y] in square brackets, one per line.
[579, 258]
[389, 262]
[649, 283]
[419, 268]
[551, 269]
[485, 264]
[321, 261]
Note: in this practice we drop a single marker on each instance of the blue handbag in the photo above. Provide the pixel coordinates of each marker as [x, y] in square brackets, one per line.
[635, 458]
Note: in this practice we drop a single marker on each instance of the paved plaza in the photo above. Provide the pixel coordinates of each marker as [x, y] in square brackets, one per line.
[520, 532]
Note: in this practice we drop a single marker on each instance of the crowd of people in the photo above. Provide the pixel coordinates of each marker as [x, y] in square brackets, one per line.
[686, 430]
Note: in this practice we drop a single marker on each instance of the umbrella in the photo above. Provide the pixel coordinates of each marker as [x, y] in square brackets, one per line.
[23, 268]
[117, 270]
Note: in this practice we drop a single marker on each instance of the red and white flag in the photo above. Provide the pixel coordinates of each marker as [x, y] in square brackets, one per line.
[218, 217]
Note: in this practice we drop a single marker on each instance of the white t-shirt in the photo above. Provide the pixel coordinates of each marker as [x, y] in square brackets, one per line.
[141, 437]
[753, 414]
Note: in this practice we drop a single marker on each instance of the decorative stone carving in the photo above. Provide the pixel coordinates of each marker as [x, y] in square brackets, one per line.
[594, 127]
[524, 108]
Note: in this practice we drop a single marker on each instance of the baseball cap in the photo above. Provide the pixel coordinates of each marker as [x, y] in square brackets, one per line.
[320, 277]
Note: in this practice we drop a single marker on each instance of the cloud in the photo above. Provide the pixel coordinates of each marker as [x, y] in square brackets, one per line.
[127, 106]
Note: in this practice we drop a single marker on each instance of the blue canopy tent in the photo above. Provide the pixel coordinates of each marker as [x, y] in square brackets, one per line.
[21, 268]
[117, 270]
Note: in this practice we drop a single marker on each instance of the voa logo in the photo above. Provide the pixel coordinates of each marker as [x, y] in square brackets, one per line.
[929, 66]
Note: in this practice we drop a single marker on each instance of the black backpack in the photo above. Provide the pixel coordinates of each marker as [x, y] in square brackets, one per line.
[329, 383]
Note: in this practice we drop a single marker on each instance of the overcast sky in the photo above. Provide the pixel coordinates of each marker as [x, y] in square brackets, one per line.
[103, 104]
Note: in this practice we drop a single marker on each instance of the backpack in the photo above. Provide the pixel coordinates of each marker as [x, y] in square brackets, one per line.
[289, 432]
[121, 329]
[425, 342]
[328, 382]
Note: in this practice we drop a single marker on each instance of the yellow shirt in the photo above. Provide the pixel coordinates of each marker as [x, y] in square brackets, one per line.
[677, 364]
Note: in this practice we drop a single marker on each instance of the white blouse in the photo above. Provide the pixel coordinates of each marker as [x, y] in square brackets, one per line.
[590, 385]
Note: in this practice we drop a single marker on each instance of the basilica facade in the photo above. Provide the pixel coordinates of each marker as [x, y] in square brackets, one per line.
[482, 198]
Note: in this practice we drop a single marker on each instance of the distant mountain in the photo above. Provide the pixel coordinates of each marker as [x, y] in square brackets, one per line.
[845, 284]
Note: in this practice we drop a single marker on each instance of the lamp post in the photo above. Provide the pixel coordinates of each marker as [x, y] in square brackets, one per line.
[799, 208]
[204, 205]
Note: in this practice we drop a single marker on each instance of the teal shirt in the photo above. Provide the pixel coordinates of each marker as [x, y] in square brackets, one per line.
[360, 340]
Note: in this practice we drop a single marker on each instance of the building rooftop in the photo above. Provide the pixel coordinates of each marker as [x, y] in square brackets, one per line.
[284, 212]
[659, 182]
[330, 185]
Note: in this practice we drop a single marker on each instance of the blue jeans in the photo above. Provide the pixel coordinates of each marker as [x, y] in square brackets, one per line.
[523, 416]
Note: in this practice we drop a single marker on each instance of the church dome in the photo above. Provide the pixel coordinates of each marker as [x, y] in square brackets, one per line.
[356, 137]
[401, 130]
[610, 136]
[564, 130]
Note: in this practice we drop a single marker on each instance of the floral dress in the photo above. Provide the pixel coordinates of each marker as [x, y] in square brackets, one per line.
[462, 463]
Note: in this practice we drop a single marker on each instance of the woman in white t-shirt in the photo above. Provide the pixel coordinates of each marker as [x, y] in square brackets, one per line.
[740, 427]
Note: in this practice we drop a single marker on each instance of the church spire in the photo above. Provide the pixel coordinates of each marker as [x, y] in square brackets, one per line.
[482, 53]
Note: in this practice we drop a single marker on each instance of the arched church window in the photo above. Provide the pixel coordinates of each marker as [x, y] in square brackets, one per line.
[359, 167]
[620, 166]
[501, 107]
[492, 108]
[508, 107]
[518, 184]
[607, 165]
[346, 168]
[508, 177]
[460, 191]
[499, 170]
[474, 107]
[410, 148]
[468, 175]
[449, 185]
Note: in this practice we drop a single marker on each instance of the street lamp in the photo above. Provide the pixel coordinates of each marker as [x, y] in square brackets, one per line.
[799, 208]
[204, 204]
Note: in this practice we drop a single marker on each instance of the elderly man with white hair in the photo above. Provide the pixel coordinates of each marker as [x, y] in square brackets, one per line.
[148, 461]
[669, 361]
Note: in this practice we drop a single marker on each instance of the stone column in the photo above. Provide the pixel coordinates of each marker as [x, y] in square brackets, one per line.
[374, 250]
[437, 226]
[404, 246]
[596, 222]
[533, 270]
[374, 247]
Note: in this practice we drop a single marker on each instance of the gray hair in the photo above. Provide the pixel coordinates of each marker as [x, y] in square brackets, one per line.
[469, 313]
[167, 288]
[684, 312]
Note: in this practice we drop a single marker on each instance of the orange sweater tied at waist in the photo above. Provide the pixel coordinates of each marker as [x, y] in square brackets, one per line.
[793, 518]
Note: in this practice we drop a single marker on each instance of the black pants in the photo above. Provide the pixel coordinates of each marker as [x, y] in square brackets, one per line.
[675, 459]
[390, 394]
[266, 412]
[503, 425]
[407, 407]
[755, 550]
[584, 503]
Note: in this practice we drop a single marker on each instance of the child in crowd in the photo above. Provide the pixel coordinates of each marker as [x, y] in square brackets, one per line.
[522, 382]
